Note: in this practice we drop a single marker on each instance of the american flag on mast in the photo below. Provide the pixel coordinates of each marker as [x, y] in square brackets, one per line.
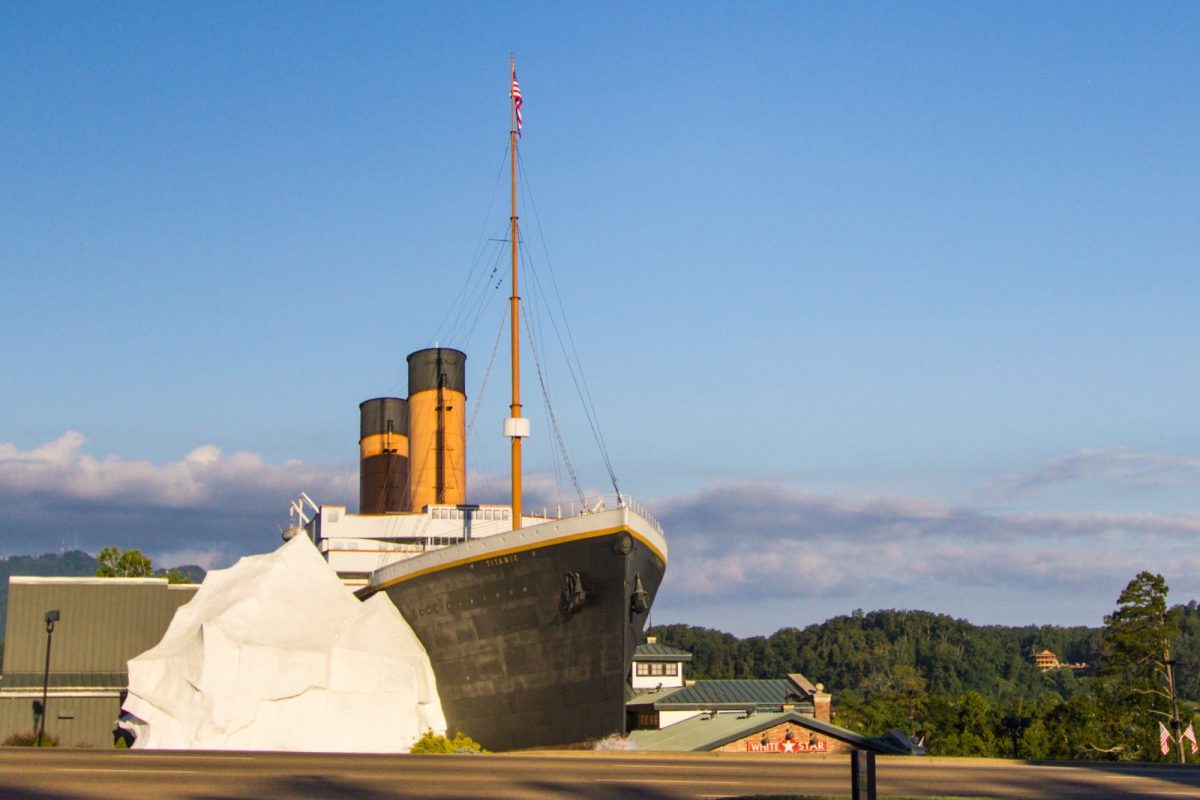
[1164, 736]
[1190, 735]
[516, 98]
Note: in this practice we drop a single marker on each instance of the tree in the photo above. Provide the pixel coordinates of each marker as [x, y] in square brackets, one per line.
[177, 576]
[902, 687]
[115, 563]
[1081, 728]
[1137, 670]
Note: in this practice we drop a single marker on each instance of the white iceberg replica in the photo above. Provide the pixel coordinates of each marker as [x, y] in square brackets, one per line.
[275, 653]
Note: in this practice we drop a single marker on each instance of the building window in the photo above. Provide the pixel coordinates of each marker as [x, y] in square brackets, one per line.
[672, 669]
[656, 669]
[643, 669]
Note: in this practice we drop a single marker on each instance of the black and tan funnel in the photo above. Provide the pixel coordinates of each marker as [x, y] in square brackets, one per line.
[437, 456]
[383, 456]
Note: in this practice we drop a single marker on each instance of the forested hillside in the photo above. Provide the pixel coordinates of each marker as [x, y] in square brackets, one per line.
[859, 650]
[968, 689]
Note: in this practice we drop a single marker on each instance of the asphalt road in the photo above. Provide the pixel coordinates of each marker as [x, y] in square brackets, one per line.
[46, 774]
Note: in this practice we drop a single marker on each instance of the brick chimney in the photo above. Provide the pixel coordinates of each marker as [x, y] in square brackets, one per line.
[822, 704]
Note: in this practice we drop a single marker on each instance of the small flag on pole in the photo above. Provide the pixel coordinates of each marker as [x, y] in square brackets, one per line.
[1190, 735]
[516, 98]
[1164, 736]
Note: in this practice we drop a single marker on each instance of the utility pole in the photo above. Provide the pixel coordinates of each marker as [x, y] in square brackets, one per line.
[1176, 725]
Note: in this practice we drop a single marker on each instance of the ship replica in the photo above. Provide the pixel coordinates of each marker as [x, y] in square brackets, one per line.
[530, 620]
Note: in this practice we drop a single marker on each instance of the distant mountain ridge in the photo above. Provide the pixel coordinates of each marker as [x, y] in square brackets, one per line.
[860, 652]
[71, 564]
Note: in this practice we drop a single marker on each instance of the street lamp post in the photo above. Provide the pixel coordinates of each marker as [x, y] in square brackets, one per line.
[51, 618]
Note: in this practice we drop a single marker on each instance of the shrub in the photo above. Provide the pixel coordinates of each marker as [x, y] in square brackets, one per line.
[431, 742]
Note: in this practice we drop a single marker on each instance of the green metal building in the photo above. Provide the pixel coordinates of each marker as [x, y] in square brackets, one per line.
[103, 622]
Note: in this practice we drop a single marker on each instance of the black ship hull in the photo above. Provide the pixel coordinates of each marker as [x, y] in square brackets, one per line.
[532, 642]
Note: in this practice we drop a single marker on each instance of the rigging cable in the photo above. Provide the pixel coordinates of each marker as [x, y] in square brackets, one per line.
[532, 321]
[487, 373]
[481, 303]
[537, 361]
[488, 469]
[463, 292]
[577, 376]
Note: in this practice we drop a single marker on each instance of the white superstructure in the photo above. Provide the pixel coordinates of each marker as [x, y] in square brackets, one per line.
[356, 545]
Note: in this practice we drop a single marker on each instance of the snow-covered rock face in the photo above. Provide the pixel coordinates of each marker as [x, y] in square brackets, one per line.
[275, 653]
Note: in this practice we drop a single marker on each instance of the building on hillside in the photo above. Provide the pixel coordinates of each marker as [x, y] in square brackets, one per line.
[103, 622]
[1047, 660]
[778, 715]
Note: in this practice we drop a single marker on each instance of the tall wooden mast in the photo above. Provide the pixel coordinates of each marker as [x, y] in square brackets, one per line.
[515, 426]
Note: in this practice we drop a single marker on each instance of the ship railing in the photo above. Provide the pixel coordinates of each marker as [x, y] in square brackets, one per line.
[598, 503]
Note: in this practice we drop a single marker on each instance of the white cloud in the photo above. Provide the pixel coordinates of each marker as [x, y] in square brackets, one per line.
[733, 544]
[207, 508]
[739, 541]
[209, 558]
[204, 478]
[1112, 465]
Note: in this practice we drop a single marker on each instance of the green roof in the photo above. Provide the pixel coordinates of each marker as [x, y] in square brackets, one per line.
[651, 696]
[708, 732]
[736, 693]
[653, 651]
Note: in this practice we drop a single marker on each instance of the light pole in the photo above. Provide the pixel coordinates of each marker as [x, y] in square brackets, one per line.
[51, 618]
[1176, 725]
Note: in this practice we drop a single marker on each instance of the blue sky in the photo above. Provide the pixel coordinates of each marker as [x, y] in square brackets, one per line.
[879, 305]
